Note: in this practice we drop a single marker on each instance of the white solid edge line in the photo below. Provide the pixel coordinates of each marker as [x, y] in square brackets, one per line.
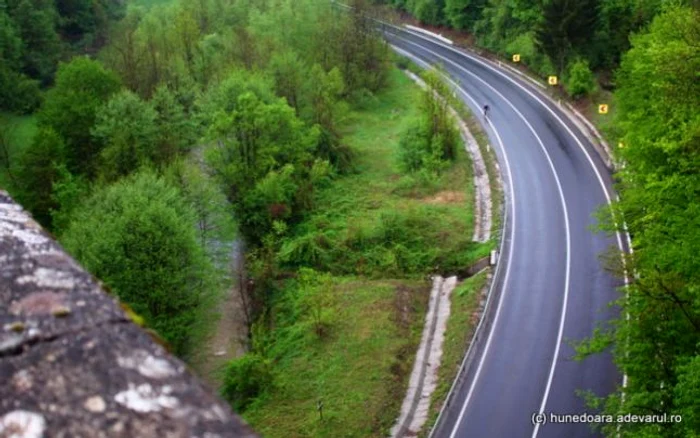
[511, 243]
[547, 107]
[576, 139]
[562, 199]
[508, 265]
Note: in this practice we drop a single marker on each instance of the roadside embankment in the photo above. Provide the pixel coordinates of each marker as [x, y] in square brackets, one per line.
[447, 335]
[343, 333]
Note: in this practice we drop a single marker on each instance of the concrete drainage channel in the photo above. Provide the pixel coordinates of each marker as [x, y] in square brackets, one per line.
[424, 377]
[423, 382]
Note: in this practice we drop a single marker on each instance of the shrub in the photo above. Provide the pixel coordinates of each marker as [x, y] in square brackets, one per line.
[413, 147]
[138, 236]
[579, 80]
[18, 93]
[245, 379]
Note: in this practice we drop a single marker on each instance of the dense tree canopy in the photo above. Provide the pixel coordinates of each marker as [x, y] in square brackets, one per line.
[549, 35]
[126, 126]
[36, 34]
[659, 123]
[137, 236]
[254, 92]
[82, 86]
[565, 29]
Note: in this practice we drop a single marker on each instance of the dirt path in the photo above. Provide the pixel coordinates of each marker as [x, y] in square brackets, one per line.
[229, 339]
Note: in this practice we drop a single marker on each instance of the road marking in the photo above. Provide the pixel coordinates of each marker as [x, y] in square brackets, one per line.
[511, 244]
[576, 139]
[562, 198]
[618, 235]
[547, 107]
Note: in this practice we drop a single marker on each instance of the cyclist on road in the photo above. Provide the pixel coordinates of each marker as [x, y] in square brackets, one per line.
[486, 111]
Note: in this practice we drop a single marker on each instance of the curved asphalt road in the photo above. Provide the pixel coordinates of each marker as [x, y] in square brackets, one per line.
[552, 285]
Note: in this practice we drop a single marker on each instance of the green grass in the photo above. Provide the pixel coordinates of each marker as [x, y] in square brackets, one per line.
[19, 131]
[378, 232]
[359, 370]
[461, 324]
[379, 221]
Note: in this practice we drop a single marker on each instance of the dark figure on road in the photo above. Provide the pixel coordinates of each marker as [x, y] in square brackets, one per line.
[486, 110]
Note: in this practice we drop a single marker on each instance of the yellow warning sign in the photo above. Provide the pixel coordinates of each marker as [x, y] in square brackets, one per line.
[516, 57]
[602, 109]
[553, 80]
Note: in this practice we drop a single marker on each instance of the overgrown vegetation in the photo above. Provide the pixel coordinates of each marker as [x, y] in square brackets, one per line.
[659, 127]
[358, 261]
[207, 105]
[552, 36]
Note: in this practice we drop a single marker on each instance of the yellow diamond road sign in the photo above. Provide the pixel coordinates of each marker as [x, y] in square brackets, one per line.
[553, 80]
[602, 109]
[516, 57]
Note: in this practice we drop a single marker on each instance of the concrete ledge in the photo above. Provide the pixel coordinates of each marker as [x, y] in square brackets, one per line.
[430, 34]
[73, 364]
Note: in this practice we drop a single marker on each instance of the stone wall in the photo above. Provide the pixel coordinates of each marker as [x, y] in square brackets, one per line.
[72, 364]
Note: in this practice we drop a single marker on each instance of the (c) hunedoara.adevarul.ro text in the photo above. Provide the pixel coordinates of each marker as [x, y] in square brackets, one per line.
[543, 418]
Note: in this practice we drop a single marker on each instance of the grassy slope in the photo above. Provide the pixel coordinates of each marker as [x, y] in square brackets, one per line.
[22, 130]
[380, 222]
[361, 369]
[358, 371]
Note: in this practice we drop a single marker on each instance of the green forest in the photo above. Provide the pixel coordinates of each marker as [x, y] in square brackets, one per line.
[157, 134]
[148, 136]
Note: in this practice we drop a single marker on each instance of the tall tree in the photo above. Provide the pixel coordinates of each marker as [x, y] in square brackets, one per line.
[427, 11]
[566, 28]
[262, 152]
[176, 131]
[138, 237]
[37, 170]
[463, 14]
[126, 126]
[287, 70]
[37, 21]
[324, 91]
[82, 86]
[18, 92]
[125, 53]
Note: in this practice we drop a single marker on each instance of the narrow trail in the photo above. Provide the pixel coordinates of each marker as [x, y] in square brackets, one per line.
[229, 339]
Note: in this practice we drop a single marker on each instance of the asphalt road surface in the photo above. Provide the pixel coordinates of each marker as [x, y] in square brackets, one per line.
[553, 288]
